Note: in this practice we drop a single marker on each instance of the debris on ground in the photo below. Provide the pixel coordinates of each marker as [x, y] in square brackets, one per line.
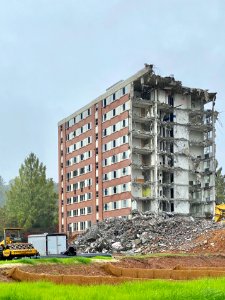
[150, 233]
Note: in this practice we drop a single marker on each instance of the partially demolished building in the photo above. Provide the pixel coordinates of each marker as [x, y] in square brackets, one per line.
[148, 143]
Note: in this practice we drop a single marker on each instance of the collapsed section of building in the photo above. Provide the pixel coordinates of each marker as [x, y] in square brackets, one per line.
[148, 143]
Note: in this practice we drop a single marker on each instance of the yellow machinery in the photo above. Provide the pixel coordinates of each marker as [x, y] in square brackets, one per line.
[219, 213]
[12, 247]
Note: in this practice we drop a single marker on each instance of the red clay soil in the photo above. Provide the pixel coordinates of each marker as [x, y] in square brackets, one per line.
[210, 242]
[96, 269]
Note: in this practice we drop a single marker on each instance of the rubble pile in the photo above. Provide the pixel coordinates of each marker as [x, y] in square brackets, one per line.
[144, 233]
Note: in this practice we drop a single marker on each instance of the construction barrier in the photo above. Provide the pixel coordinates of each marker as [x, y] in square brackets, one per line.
[176, 274]
[20, 275]
[119, 275]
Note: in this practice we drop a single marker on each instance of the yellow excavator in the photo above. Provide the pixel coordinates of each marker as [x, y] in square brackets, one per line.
[12, 247]
[219, 213]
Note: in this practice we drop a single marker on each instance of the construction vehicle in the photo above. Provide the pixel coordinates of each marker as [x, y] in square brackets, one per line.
[12, 247]
[219, 213]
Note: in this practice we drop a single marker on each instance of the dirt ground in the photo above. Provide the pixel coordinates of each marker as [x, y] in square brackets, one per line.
[95, 269]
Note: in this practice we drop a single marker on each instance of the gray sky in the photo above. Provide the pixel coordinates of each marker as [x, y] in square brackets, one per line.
[57, 55]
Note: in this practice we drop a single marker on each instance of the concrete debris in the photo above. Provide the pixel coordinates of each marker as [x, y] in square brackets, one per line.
[145, 233]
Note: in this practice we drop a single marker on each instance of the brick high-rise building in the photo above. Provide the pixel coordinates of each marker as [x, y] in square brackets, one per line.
[148, 143]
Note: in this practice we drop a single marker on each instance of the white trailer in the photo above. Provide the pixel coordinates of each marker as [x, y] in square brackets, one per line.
[49, 243]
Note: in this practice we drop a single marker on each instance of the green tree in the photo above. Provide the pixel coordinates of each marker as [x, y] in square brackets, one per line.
[31, 199]
[220, 186]
[2, 191]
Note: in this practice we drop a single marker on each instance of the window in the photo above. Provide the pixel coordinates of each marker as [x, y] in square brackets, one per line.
[124, 123]
[75, 226]
[75, 199]
[75, 186]
[114, 205]
[68, 188]
[88, 111]
[68, 201]
[114, 189]
[104, 117]
[105, 132]
[114, 174]
[124, 203]
[124, 155]
[104, 102]
[69, 213]
[114, 96]
[82, 157]
[96, 136]
[81, 130]
[105, 162]
[96, 121]
[124, 171]
[114, 159]
[124, 90]
[114, 112]
[88, 224]
[89, 126]
[96, 165]
[82, 171]
[96, 194]
[89, 140]
[82, 198]
[114, 143]
[106, 206]
[105, 147]
[75, 212]
[89, 154]
[88, 196]
[114, 128]
[124, 187]
[75, 160]
[124, 139]
[75, 173]
[81, 116]
[89, 210]
[96, 180]
[81, 143]
[105, 192]
[96, 151]
[124, 106]
[82, 225]
[105, 176]
[82, 211]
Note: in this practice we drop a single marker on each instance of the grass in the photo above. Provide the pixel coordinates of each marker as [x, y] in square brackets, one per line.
[207, 289]
[65, 261]
[152, 255]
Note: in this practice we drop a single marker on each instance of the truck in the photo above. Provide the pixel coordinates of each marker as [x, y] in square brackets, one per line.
[219, 213]
[12, 247]
[49, 243]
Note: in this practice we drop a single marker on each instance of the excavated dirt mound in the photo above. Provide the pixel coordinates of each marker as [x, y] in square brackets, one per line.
[96, 269]
[210, 242]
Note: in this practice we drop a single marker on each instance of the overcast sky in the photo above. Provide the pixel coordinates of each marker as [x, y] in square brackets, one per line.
[58, 55]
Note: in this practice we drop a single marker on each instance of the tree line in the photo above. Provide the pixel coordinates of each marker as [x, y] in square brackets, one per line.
[31, 200]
